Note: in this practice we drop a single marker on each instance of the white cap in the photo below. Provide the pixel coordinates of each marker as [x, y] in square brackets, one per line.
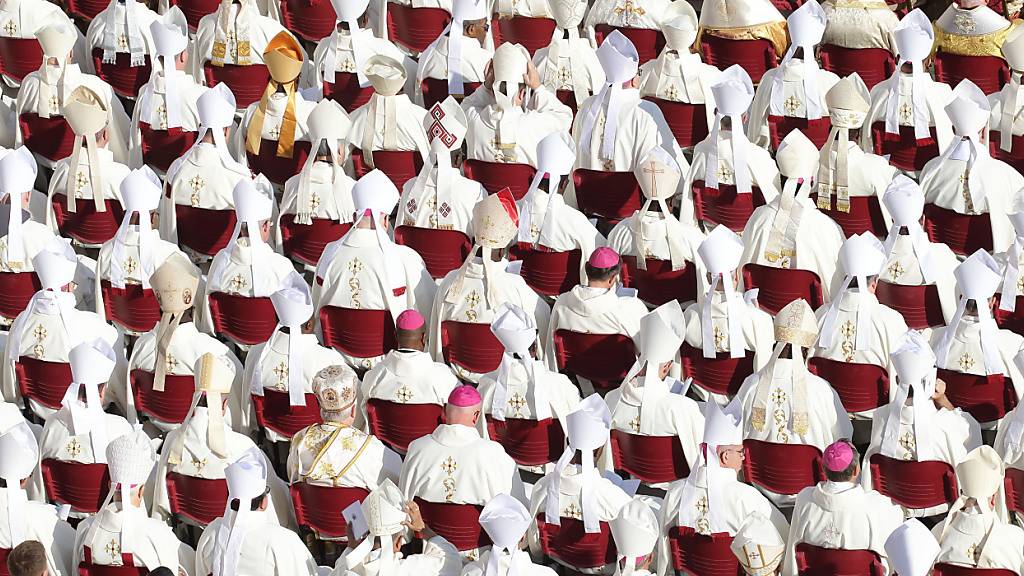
[722, 426]
[848, 101]
[588, 424]
[721, 250]
[733, 92]
[251, 205]
[1013, 48]
[509, 65]
[904, 200]
[619, 58]
[914, 36]
[514, 328]
[216, 107]
[170, 33]
[978, 277]
[658, 174]
[247, 477]
[913, 357]
[327, 120]
[568, 13]
[447, 123]
[376, 192]
[386, 74]
[463, 10]
[980, 474]
[130, 458]
[661, 333]
[556, 154]
[911, 549]
[806, 25]
[385, 510]
[797, 156]
[862, 255]
[635, 530]
[680, 27]
[140, 190]
[293, 304]
[57, 38]
[19, 453]
[969, 110]
[505, 520]
[348, 10]
[17, 171]
[758, 546]
[335, 387]
[92, 362]
[55, 265]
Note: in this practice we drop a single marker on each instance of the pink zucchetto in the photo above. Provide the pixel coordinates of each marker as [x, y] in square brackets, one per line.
[409, 320]
[838, 456]
[464, 397]
[604, 257]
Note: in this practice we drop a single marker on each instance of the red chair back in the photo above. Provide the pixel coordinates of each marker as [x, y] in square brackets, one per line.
[660, 283]
[83, 486]
[815, 130]
[1010, 320]
[913, 484]
[919, 305]
[198, 500]
[456, 523]
[442, 250]
[528, 442]
[652, 459]
[608, 196]
[755, 56]
[16, 289]
[436, 90]
[306, 243]
[904, 150]
[989, 73]
[532, 33]
[171, 405]
[275, 412]
[160, 148]
[707, 555]
[400, 166]
[782, 468]
[780, 286]
[126, 80]
[85, 224]
[721, 374]
[4, 552]
[51, 137]
[278, 169]
[965, 234]
[248, 321]
[358, 333]
[872, 64]
[471, 346]
[19, 57]
[865, 215]
[951, 570]
[987, 398]
[195, 10]
[247, 83]
[317, 508]
[724, 205]
[415, 28]
[399, 424]
[86, 9]
[604, 359]
[567, 97]
[688, 122]
[310, 20]
[42, 381]
[126, 568]
[649, 43]
[550, 273]
[202, 230]
[1015, 157]
[817, 561]
[860, 387]
[496, 176]
[571, 545]
[1013, 485]
[133, 307]
[345, 90]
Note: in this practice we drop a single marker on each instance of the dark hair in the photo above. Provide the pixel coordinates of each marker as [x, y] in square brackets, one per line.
[846, 474]
[855, 284]
[602, 274]
[253, 506]
[162, 571]
[27, 559]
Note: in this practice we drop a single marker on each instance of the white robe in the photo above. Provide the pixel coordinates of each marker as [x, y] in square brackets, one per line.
[840, 515]
[860, 24]
[35, 235]
[903, 268]
[331, 199]
[39, 522]
[133, 269]
[141, 18]
[261, 30]
[112, 173]
[565, 230]
[967, 530]
[544, 114]
[645, 14]
[153, 542]
[792, 87]
[152, 97]
[867, 175]
[562, 395]
[345, 60]
[272, 121]
[936, 98]
[266, 549]
[529, 8]
[409, 132]
[1006, 96]
[664, 79]
[521, 564]
[622, 239]
[438, 558]
[343, 456]
[58, 441]
[408, 377]
[433, 62]
[593, 311]
[756, 326]
[201, 179]
[641, 127]
[577, 60]
[428, 206]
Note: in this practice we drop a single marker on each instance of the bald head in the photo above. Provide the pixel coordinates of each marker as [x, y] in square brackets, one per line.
[464, 415]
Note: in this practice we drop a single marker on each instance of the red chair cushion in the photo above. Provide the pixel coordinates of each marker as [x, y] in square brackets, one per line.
[905, 151]
[247, 83]
[604, 359]
[816, 130]
[572, 545]
[724, 205]
[660, 283]
[317, 507]
[132, 307]
[249, 321]
[721, 374]
[171, 405]
[160, 148]
[399, 424]
[126, 568]
[755, 56]
[989, 73]
[126, 80]
[861, 387]
[436, 90]
[919, 305]
[442, 250]
[688, 122]
[648, 43]
[1015, 157]
[16, 290]
[310, 20]
[528, 442]
[415, 28]
[780, 286]
[652, 459]
[865, 215]
[19, 57]
[532, 33]
[964, 234]
[278, 169]
[345, 90]
[358, 333]
[1013, 485]
[941, 569]
[456, 523]
[817, 561]
[987, 398]
[913, 484]
[306, 243]
[1010, 320]
[707, 555]
[609, 196]
[782, 468]
[51, 137]
[43, 381]
[199, 500]
[83, 486]
[85, 224]
[550, 273]
[204, 231]
[400, 166]
[496, 176]
[872, 64]
[471, 346]
[275, 412]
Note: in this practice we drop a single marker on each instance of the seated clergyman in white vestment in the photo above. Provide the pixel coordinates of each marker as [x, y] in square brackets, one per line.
[1006, 120]
[506, 520]
[569, 64]
[911, 549]
[460, 55]
[390, 121]
[859, 24]
[236, 34]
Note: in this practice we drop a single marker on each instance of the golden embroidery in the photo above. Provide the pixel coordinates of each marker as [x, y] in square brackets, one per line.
[196, 183]
[472, 299]
[896, 270]
[849, 331]
[719, 337]
[909, 443]
[634, 424]
[672, 93]
[11, 28]
[81, 181]
[702, 524]
[237, 283]
[791, 105]
[170, 363]
[404, 394]
[130, 265]
[281, 371]
[981, 45]
[73, 448]
[966, 362]
[906, 112]
[198, 464]
[725, 174]
[629, 11]
[122, 42]
[517, 402]
[449, 466]
[113, 550]
[572, 511]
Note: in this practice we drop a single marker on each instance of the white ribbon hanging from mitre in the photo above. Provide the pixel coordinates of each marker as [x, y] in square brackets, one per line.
[216, 108]
[294, 307]
[587, 430]
[848, 104]
[349, 12]
[969, 113]
[556, 155]
[384, 511]
[733, 94]
[517, 331]
[495, 224]
[55, 266]
[123, 13]
[19, 456]
[797, 158]
[977, 278]
[508, 66]
[170, 38]
[915, 369]
[720, 253]
[213, 377]
[662, 332]
[620, 62]
[86, 114]
[566, 44]
[806, 26]
[914, 37]
[860, 257]
[57, 39]
[904, 200]
[658, 175]
[91, 365]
